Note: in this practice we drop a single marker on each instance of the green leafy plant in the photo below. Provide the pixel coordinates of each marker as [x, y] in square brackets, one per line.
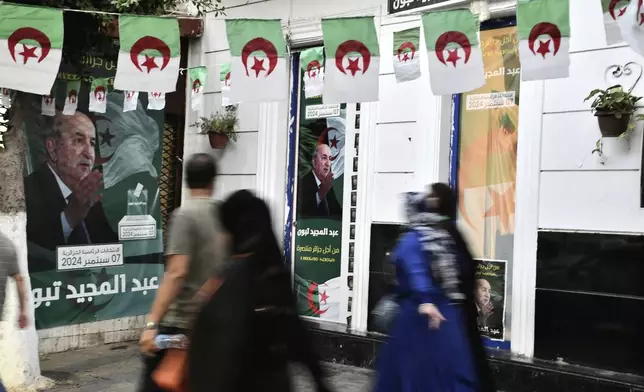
[613, 100]
[221, 122]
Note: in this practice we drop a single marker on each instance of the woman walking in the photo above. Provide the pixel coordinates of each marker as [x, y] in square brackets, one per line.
[249, 331]
[428, 349]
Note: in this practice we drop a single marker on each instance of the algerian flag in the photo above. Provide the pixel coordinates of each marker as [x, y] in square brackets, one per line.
[149, 55]
[224, 78]
[334, 137]
[312, 65]
[48, 105]
[406, 58]
[544, 39]
[156, 101]
[321, 300]
[31, 43]
[127, 143]
[453, 51]
[98, 95]
[257, 48]
[130, 101]
[613, 10]
[631, 25]
[352, 51]
[197, 83]
[5, 97]
[71, 97]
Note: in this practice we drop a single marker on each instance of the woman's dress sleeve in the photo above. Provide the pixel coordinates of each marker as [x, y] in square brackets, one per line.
[415, 265]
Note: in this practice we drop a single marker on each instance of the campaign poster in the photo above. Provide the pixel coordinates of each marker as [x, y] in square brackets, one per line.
[490, 298]
[319, 208]
[95, 249]
[487, 156]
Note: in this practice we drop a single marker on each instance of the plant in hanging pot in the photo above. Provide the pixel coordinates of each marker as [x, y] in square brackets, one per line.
[220, 127]
[613, 108]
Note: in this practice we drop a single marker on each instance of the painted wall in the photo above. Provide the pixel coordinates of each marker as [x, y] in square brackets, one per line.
[576, 191]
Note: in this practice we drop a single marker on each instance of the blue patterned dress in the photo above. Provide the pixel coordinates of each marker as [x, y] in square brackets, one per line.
[417, 358]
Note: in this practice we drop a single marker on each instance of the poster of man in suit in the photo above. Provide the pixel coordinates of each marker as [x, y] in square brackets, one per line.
[490, 297]
[318, 209]
[93, 214]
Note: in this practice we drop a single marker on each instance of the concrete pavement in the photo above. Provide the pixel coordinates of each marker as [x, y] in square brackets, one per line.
[116, 368]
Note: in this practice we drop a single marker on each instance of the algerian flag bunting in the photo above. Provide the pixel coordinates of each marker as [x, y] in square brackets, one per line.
[334, 137]
[453, 51]
[31, 42]
[631, 25]
[48, 105]
[130, 101]
[149, 55]
[156, 100]
[613, 10]
[71, 97]
[312, 65]
[351, 48]
[321, 300]
[544, 39]
[224, 78]
[197, 82]
[406, 57]
[257, 48]
[5, 97]
[98, 95]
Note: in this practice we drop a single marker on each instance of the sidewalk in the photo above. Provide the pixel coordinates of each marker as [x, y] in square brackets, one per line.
[116, 368]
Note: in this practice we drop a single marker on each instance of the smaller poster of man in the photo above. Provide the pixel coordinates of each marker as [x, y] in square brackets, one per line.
[489, 295]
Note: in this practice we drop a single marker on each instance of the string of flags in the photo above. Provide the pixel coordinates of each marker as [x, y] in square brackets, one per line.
[344, 70]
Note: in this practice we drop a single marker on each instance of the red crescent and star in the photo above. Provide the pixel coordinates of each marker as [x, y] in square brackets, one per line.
[259, 44]
[611, 9]
[452, 54]
[323, 297]
[28, 52]
[352, 46]
[149, 43]
[405, 55]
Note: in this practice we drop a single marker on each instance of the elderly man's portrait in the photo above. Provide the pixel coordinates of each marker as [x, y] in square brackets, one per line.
[64, 191]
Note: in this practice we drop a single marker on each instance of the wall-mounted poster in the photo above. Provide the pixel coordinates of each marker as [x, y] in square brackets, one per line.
[490, 297]
[93, 211]
[319, 209]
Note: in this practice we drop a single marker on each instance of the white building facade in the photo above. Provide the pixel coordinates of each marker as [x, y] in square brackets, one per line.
[407, 140]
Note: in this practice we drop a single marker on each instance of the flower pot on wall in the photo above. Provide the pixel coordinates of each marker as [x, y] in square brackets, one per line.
[217, 140]
[612, 126]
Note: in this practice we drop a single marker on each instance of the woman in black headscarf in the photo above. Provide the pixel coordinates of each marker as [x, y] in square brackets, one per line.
[447, 206]
[249, 331]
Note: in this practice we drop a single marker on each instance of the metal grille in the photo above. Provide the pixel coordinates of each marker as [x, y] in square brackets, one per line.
[167, 179]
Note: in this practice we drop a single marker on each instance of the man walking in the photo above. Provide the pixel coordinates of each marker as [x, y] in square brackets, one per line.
[9, 268]
[195, 252]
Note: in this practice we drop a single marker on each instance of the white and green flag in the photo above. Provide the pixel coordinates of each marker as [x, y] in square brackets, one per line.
[31, 46]
[71, 97]
[353, 60]
[406, 56]
[48, 104]
[156, 100]
[631, 25]
[224, 78]
[312, 65]
[544, 38]
[322, 300]
[613, 11]
[453, 51]
[5, 97]
[149, 56]
[98, 95]
[197, 84]
[130, 101]
[258, 62]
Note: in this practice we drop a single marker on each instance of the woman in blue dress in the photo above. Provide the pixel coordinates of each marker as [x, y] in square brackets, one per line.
[428, 349]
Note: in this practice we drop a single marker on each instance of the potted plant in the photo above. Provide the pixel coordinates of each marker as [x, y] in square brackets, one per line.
[613, 108]
[220, 127]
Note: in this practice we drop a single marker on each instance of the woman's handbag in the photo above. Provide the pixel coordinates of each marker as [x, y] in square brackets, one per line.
[170, 375]
[385, 313]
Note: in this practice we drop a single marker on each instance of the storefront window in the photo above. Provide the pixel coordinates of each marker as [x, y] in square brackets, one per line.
[487, 127]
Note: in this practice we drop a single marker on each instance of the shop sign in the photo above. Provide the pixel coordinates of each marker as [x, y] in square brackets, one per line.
[396, 6]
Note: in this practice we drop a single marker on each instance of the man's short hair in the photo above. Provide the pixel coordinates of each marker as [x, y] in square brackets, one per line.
[201, 170]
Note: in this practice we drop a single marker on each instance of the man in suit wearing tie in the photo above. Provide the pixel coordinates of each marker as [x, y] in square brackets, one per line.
[316, 198]
[62, 195]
